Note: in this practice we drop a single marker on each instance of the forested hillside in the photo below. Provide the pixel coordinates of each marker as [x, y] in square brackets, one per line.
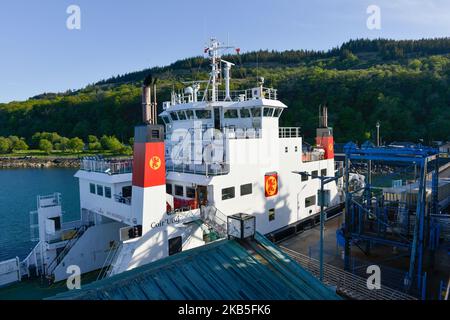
[402, 84]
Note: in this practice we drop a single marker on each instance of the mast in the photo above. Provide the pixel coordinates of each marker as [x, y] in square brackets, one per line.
[213, 52]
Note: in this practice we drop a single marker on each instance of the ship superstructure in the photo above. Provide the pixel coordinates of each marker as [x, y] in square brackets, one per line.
[217, 153]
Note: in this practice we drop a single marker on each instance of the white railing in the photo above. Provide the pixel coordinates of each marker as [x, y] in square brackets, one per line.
[242, 133]
[107, 166]
[221, 95]
[51, 200]
[214, 169]
[289, 132]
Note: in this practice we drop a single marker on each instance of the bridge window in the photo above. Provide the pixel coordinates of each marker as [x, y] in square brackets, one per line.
[256, 112]
[181, 115]
[99, 190]
[165, 119]
[108, 192]
[305, 177]
[227, 193]
[190, 114]
[245, 113]
[246, 189]
[190, 193]
[310, 201]
[168, 188]
[278, 112]
[179, 191]
[230, 114]
[203, 114]
[323, 172]
[174, 116]
[92, 188]
[314, 174]
[268, 112]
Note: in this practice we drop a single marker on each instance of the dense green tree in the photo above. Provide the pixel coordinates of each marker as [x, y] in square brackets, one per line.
[76, 144]
[45, 145]
[5, 145]
[111, 143]
[17, 143]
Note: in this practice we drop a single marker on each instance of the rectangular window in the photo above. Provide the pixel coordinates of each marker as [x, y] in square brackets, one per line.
[256, 112]
[304, 177]
[271, 214]
[168, 188]
[227, 193]
[245, 113]
[246, 189]
[92, 188]
[174, 116]
[310, 201]
[190, 114]
[108, 192]
[179, 191]
[323, 172]
[190, 193]
[127, 191]
[203, 114]
[175, 245]
[165, 119]
[277, 112]
[230, 113]
[315, 174]
[100, 190]
[181, 115]
[268, 112]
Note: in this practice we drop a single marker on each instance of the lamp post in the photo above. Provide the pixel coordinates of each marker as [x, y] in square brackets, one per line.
[323, 181]
[378, 133]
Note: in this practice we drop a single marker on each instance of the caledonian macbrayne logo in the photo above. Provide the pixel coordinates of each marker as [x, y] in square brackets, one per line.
[271, 184]
[330, 147]
[155, 162]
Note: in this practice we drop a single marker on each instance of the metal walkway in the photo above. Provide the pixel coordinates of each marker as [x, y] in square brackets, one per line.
[346, 283]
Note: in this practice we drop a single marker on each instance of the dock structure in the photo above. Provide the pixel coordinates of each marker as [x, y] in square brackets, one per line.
[403, 217]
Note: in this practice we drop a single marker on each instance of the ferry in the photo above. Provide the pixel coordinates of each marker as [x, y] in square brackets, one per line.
[216, 157]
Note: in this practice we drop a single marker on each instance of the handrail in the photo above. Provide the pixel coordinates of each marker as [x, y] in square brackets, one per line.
[54, 263]
[107, 265]
[345, 282]
[217, 220]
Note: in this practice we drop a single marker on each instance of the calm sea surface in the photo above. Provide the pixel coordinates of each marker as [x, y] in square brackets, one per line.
[18, 191]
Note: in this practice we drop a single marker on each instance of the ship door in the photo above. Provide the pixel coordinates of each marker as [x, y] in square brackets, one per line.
[202, 195]
[217, 118]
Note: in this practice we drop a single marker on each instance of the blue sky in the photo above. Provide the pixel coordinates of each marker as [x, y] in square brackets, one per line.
[39, 54]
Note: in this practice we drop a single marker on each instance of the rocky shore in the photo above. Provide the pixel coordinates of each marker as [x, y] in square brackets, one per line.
[34, 162]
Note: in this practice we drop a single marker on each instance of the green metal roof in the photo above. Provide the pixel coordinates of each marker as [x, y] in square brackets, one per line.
[222, 270]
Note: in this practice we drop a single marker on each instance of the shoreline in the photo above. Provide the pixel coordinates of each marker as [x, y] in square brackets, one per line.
[34, 162]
